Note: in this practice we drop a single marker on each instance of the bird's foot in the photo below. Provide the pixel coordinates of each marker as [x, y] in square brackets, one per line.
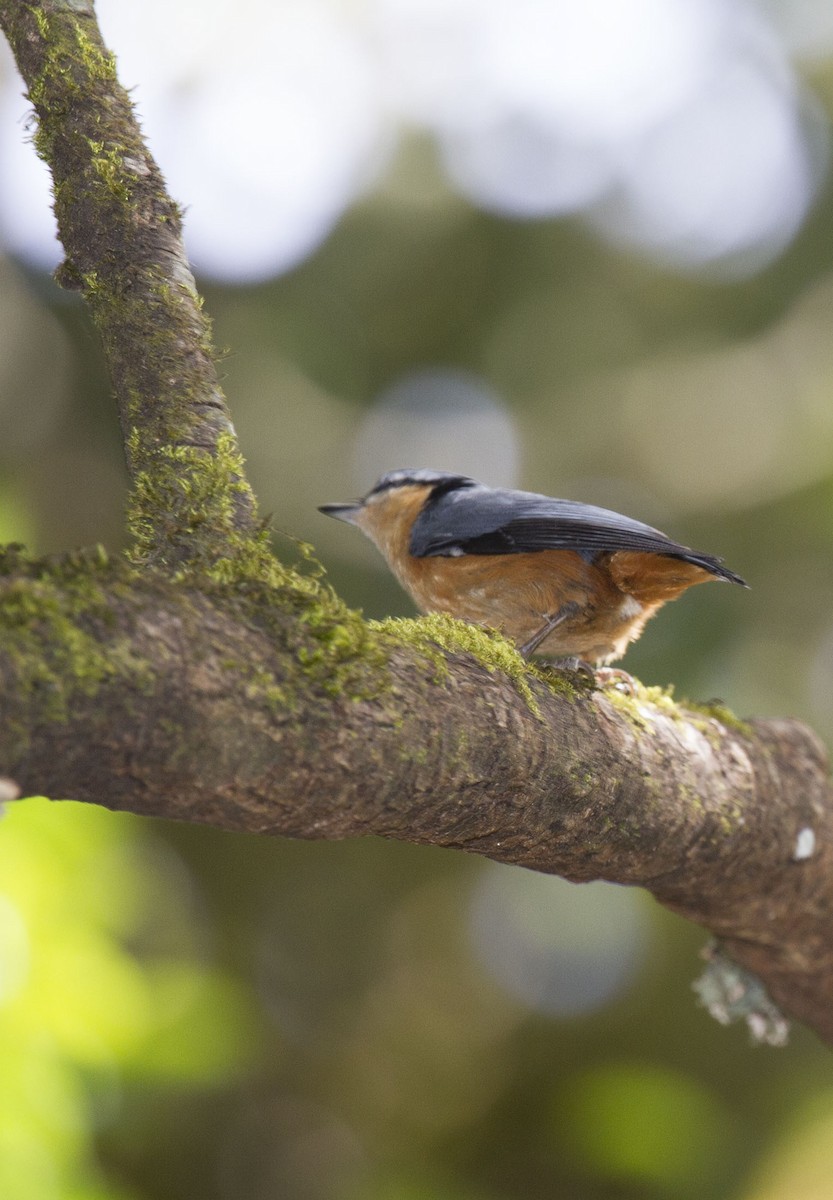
[616, 678]
[574, 663]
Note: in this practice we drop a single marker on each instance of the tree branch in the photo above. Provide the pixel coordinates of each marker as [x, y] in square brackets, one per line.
[124, 252]
[226, 710]
[244, 695]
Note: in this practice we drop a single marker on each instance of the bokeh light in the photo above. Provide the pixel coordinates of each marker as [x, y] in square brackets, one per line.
[225, 113]
[678, 127]
[426, 1050]
[34, 356]
[437, 418]
[728, 182]
[82, 1018]
[645, 1127]
[559, 948]
[801, 1161]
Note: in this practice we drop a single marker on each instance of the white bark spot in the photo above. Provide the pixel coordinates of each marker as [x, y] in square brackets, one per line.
[805, 844]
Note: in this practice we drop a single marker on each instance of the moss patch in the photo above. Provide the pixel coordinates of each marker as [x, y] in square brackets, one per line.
[49, 614]
[182, 512]
[661, 701]
[438, 634]
[334, 647]
[716, 710]
[72, 63]
[634, 701]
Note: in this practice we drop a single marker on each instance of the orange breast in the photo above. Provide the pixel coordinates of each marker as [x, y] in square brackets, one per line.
[517, 593]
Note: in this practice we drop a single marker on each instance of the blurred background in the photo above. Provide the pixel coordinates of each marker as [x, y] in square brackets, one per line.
[578, 247]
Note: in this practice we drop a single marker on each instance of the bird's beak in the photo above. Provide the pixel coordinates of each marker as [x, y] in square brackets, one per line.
[343, 512]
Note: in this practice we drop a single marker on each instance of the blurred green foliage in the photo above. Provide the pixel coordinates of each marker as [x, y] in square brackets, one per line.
[646, 1127]
[102, 988]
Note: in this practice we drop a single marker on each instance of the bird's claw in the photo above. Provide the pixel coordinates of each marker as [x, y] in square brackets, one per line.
[616, 678]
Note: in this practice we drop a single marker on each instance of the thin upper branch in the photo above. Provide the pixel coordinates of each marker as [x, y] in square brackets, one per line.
[122, 236]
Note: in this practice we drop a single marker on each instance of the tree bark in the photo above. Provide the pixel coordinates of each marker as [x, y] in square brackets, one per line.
[218, 686]
[122, 235]
[201, 707]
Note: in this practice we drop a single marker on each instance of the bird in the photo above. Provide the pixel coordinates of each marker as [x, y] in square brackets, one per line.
[569, 581]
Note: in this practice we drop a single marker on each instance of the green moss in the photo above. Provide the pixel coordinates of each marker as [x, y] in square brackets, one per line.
[109, 169]
[49, 614]
[638, 702]
[76, 72]
[261, 685]
[60, 642]
[332, 646]
[716, 710]
[182, 512]
[182, 517]
[191, 508]
[91, 283]
[343, 653]
[345, 660]
[411, 631]
[99, 63]
[151, 311]
[73, 62]
[437, 635]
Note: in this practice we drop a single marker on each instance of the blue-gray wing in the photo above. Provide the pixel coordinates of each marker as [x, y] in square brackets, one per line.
[480, 520]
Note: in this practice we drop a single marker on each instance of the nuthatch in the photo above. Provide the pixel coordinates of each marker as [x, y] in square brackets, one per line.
[569, 580]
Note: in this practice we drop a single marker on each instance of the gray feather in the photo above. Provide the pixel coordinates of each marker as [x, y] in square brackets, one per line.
[474, 519]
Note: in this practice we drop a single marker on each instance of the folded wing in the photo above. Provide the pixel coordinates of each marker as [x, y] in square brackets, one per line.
[483, 521]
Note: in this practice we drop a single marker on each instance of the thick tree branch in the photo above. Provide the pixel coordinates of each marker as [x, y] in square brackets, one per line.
[224, 710]
[124, 252]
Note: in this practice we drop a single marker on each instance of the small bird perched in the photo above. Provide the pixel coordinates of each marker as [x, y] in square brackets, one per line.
[568, 580]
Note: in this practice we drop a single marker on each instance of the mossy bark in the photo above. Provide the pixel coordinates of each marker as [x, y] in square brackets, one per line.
[252, 711]
[191, 505]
